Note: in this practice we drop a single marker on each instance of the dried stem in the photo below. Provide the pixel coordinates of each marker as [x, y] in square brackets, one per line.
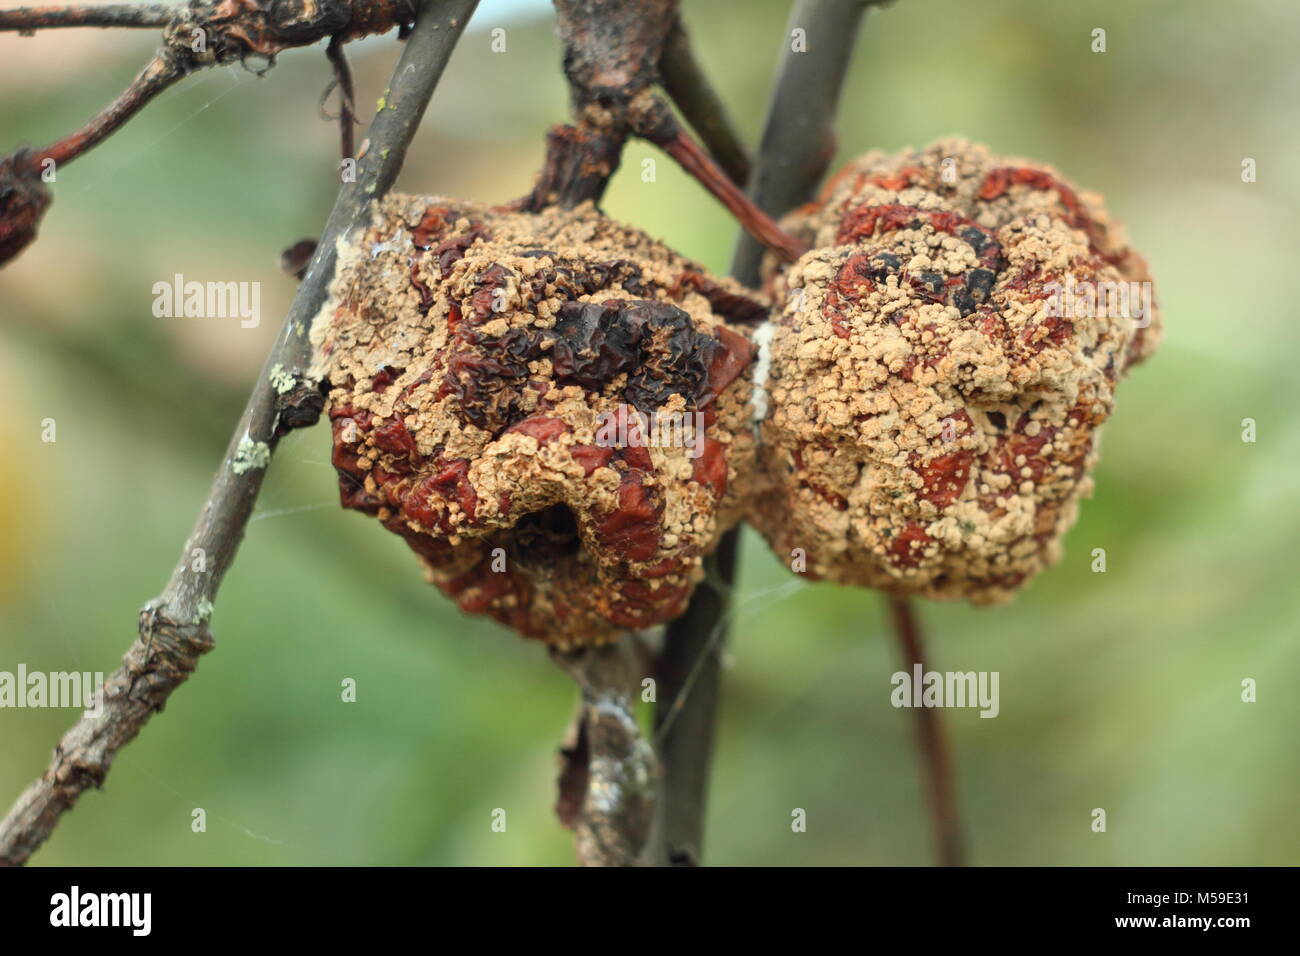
[163, 70]
[347, 94]
[27, 19]
[752, 219]
[174, 626]
[689, 89]
[607, 775]
[579, 163]
[612, 56]
[196, 35]
[934, 749]
[799, 122]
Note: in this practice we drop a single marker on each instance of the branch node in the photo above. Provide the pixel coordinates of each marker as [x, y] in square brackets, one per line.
[608, 772]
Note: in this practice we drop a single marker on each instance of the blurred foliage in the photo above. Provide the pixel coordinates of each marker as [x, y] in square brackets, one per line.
[1118, 690]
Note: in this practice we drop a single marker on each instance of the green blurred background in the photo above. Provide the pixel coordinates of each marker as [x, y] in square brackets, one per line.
[1118, 690]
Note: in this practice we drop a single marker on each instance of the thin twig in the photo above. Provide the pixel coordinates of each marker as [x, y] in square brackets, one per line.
[196, 35]
[27, 19]
[752, 219]
[211, 34]
[799, 123]
[174, 626]
[347, 93]
[689, 89]
[162, 71]
[933, 745]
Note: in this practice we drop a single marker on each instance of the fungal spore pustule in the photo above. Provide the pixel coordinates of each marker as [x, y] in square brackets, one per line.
[940, 363]
[551, 408]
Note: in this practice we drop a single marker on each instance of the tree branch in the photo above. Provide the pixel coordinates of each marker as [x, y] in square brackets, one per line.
[688, 675]
[212, 33]
[612, 53]
[607, 778]
[933, 746]
[160, 73]
[347, 94]
[30, 19]
[201, 34]
[799, 138]
[790, 160]
[689, 89]
[174, 626]
[579, 163]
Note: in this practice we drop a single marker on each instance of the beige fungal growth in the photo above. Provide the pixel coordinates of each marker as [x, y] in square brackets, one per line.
[939, 366]
[549, 408]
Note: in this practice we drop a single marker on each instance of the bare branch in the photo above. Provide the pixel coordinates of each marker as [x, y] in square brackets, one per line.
[213, 33]
[933, 746]
[799, 137]
[607, 778]
[688, 675]
[163, 70]
[174, 626]
[612, 54]
[347, 94]
[689, 666]
[202, 34]
[689, 89]
[29, 19]
[262, 27]
[579, 163]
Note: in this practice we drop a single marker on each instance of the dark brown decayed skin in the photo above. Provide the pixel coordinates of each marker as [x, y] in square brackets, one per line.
[23, 201]
[932, 414]
[473, 354]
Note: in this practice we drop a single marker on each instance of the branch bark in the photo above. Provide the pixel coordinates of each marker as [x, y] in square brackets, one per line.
[197, 35]
[174, 626]
[607, 776]
[257, 26]
[30, 19]
[579, 163]
[799, 137]
[612, 56]
[791, 159]
[691, 92]
[688, 677]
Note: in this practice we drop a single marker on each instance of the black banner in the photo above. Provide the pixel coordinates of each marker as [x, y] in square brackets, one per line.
[213, 905]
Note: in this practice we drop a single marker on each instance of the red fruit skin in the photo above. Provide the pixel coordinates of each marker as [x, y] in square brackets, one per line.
[476, 360]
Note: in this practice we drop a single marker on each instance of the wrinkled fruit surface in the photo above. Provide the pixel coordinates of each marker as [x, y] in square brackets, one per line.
[935, 382]
[495, 378]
